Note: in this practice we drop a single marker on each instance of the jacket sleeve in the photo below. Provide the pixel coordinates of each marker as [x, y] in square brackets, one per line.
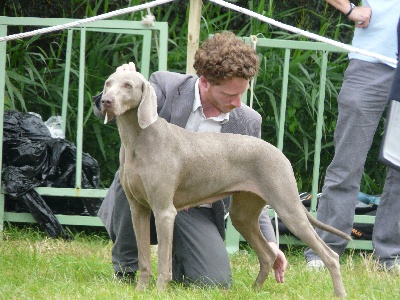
[97, 106]
[266, 226]
[160, 90]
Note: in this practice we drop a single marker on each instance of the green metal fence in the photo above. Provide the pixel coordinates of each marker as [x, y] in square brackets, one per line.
[108, 26]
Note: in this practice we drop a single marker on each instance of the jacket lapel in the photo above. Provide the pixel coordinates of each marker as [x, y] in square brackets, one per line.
[182, 105]
[234, 125]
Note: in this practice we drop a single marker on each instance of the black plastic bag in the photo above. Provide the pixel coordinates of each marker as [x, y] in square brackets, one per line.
[32, 158]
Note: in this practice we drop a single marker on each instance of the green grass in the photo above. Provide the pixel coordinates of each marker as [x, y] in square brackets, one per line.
[35, 267]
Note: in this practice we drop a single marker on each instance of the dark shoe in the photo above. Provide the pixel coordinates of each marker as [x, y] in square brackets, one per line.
[124, 277]
[393, 268]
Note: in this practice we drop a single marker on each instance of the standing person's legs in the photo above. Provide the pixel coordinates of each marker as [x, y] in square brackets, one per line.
[199, 253]
[124, 251]
[361, 101]
[386, 234]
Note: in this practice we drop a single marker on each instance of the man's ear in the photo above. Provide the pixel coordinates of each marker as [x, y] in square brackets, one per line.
[204, 82]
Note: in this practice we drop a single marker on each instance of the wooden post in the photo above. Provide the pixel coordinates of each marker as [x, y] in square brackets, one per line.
[193, 33]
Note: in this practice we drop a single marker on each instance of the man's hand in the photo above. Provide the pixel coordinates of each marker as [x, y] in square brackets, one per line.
[361, 15]
[279, 264]
[127, 67]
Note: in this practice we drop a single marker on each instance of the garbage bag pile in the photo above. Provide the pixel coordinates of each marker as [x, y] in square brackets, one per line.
[32, 158]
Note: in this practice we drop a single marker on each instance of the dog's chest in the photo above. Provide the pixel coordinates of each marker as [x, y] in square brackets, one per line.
[133, 186]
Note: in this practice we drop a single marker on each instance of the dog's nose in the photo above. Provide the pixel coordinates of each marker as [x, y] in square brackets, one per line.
[106, 101]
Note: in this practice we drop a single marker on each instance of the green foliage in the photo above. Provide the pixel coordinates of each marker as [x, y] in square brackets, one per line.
[35, 73]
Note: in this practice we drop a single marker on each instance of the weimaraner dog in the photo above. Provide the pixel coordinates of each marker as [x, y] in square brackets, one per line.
[253, 171]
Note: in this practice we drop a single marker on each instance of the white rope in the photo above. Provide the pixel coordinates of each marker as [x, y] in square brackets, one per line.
[84, 21]
[220, 2]
[305, 33]
[149, 21]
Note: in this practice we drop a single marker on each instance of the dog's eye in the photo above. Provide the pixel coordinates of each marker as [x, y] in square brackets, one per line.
[128, 85]
[108, 84]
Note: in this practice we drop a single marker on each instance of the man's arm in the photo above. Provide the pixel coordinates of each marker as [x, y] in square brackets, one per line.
[361, 15]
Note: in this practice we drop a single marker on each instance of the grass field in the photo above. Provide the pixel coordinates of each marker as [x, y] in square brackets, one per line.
[35, 267]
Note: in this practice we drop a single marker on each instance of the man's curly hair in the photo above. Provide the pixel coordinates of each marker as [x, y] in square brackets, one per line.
[225, 56]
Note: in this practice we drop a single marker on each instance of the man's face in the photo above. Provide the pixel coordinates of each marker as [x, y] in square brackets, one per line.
[226, 95]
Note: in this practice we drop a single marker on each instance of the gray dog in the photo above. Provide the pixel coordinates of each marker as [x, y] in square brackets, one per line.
[253, 171]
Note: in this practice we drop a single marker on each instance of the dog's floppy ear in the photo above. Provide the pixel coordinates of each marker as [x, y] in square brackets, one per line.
[147, 110]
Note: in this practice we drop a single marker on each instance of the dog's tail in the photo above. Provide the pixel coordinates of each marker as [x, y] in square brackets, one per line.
[325, 227]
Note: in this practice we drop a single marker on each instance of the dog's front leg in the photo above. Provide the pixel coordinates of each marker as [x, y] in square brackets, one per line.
[141, 225]
[165, 218]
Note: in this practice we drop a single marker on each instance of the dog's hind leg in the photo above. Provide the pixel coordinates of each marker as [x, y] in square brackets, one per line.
[304, 230]
[141, 224]
[244, 211]
[164, 218]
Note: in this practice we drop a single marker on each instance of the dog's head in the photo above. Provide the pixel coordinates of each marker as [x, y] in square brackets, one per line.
[127, 90]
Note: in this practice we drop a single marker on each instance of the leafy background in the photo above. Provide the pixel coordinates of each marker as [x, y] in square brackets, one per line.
[35, 72]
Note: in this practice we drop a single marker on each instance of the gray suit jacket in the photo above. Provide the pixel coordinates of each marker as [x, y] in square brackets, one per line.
[175, 96]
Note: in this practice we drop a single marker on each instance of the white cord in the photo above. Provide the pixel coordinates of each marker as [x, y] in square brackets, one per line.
[305, 33]
[84, 21]
[220, 2]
